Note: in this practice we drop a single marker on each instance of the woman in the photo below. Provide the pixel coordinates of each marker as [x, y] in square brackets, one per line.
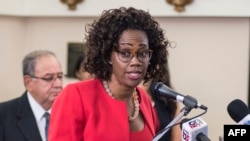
[124, 48]
[79, 72]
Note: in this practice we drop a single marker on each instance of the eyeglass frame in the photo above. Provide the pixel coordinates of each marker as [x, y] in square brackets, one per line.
[50, 79]
[132, 53]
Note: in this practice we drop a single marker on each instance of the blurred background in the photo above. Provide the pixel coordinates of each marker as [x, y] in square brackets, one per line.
[210, 61]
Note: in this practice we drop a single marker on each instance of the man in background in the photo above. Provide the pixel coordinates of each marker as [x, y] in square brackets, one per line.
[26, 118]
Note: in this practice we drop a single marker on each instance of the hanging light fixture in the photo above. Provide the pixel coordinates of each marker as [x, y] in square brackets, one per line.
[71, 3]
[179, 4]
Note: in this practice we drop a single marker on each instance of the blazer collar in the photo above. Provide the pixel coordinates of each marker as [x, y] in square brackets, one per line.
[26, 120]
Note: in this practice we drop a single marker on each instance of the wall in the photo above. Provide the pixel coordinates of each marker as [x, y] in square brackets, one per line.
[199, 8]
[12, 37]
[210, 61]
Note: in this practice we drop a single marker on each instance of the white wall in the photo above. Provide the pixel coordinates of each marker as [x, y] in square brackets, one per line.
[12, 7]
[204, 8]
[12, 36]
[210, 62]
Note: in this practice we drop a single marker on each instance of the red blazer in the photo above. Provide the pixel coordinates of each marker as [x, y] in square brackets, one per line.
[85, 112]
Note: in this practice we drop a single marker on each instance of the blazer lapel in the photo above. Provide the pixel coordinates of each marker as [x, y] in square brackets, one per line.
[147, 110]
[27, 122]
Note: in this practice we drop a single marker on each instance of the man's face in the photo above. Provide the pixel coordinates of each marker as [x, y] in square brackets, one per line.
[46, 83]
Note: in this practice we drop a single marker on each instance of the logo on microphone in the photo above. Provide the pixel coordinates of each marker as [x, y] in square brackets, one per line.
[194, 129]
[185, 135]
[195, 123]
[246, 122]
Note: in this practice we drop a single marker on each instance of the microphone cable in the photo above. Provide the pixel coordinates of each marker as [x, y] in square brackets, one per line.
[179, 123]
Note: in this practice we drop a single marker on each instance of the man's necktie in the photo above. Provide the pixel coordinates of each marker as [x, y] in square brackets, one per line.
[47, 117]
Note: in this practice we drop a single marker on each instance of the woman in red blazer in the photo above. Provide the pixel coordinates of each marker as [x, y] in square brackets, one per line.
[124, 47]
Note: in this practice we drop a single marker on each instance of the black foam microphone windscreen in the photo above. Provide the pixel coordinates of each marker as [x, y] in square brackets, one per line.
[238, 110]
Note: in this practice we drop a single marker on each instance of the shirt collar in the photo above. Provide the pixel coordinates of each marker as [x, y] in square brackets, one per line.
[37, 109]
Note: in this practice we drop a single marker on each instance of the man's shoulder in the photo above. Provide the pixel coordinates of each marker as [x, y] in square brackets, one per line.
[11, 104]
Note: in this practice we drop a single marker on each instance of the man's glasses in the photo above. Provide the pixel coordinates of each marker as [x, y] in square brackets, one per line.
[49, 77]
[126, 55]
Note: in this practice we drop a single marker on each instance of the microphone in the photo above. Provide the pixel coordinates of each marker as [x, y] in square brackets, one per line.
[239, 112]
[160, 88]
[194, 130]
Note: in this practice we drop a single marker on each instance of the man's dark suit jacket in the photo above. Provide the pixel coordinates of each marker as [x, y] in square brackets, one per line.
[17, 121]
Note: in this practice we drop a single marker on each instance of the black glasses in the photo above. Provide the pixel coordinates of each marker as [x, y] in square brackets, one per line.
[49, 77]
[126, 55]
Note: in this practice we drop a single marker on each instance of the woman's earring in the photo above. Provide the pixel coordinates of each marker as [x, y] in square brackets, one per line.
[110, 62]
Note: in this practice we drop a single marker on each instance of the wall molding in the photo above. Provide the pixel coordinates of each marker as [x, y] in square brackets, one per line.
[89, 8]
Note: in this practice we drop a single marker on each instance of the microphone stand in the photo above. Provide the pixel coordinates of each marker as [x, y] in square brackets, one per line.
[184, 111]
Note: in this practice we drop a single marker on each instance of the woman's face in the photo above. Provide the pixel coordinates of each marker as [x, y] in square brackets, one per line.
[131, 61]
